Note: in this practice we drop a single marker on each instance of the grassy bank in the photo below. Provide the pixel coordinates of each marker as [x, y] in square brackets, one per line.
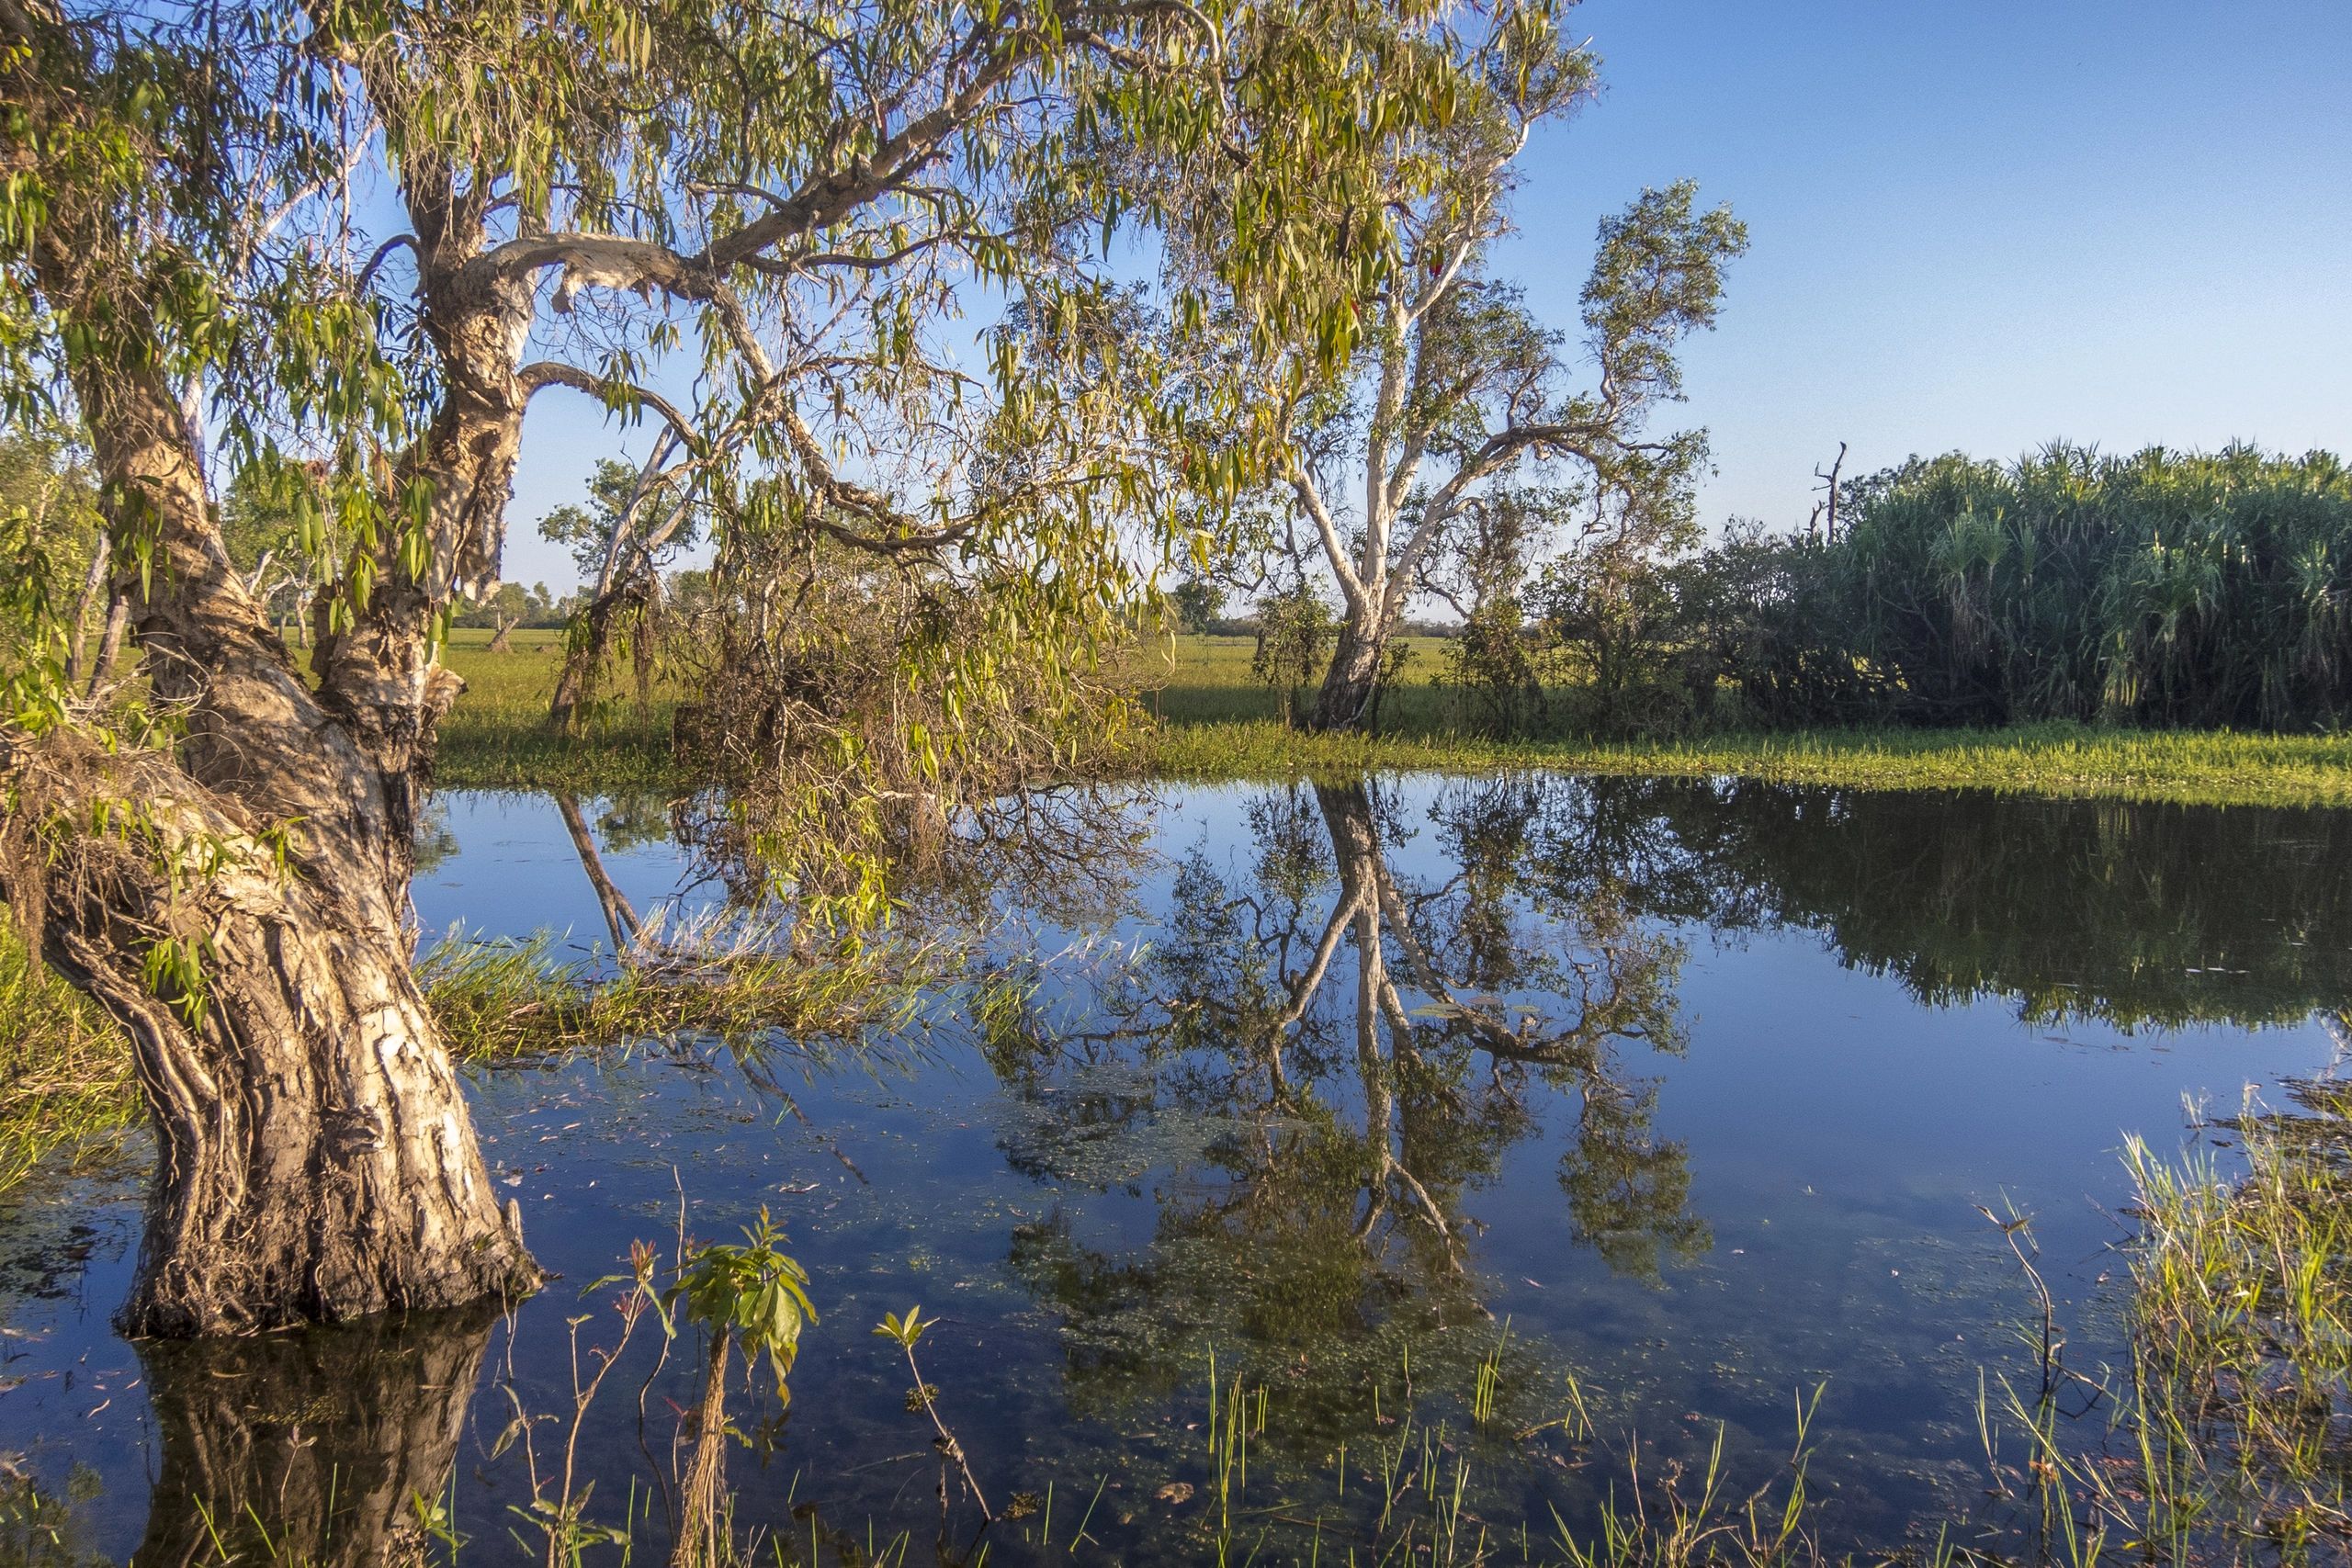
[1217, 723]
[497, 737]
[2047, 759]
[65, 1070]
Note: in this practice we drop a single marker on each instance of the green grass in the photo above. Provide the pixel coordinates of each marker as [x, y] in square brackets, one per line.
[500, 1000]
[2198, 768]
[497, 737]
[65, 1070]
[2230, 1421]
[1218, 723]
[1221, 725]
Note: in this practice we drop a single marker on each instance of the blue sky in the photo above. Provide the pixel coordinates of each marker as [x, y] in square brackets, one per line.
[1974, 227]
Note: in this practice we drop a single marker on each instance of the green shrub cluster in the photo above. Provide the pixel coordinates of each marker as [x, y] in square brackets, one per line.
[2161, 590]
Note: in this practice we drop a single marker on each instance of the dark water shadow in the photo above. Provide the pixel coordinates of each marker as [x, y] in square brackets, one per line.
[319, 1448]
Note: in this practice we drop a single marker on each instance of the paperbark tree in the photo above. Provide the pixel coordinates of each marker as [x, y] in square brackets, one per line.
[219, 853]
[1464, 386]
[1455, 384]
[223, 867]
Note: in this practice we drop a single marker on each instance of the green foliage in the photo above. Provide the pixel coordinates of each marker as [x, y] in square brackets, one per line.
[1449, 384]
[2162, 589]
[136, 243]
[49, 530]
[754, 1292]
[1199, 602]
[1294, 626]
[904, 1332]
[588, 532]
[1760, 619]
[1492, 662]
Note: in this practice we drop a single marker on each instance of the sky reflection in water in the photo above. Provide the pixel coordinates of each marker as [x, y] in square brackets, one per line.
[1695, 1086]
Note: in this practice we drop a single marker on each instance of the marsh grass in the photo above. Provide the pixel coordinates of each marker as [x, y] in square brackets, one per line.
[2052, 760]
[1407, 1495]
[65, 1070]
[1218, 722]
[2230, 1433]
[2240, 1322]
[496, 1000]
[498, 736]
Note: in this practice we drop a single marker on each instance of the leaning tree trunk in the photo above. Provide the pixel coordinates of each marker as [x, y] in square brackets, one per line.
[315, 1158]
[585, 653]
[238, 905]
[311, 1449]
[1345, 700]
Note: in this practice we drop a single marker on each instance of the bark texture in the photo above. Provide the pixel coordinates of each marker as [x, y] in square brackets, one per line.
[314, 1156]
[309, 1449]
[239, 902]
[699, 1539]
[1351, 683]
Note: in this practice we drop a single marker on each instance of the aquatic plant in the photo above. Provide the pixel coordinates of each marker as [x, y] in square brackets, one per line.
[755, 1297]
[905, 1332]
[2241, 1323]
[499, 999]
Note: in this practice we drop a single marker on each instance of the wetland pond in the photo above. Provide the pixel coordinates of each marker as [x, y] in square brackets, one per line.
[1520, 1123]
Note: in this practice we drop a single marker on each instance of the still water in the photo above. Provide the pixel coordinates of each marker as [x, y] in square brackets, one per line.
[1670, 1106]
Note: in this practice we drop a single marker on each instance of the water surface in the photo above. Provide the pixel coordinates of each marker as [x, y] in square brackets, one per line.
[1675, 1101]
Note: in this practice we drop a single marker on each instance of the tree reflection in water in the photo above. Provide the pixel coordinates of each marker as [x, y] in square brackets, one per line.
[1329, 1057]
[1351, 1038]
[308, 1448]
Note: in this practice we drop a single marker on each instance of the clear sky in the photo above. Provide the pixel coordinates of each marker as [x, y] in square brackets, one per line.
[1975, 226]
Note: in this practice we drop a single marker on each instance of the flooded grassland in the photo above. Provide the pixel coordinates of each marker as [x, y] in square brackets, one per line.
[1494, 1139]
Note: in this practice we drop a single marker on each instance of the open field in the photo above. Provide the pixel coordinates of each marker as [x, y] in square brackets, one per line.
[497, 737]
[1221, 723]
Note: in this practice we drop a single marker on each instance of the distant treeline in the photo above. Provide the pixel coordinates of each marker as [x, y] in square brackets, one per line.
[2161, 589]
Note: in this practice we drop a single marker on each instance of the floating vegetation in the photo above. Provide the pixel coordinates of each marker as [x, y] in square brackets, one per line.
[502, 998]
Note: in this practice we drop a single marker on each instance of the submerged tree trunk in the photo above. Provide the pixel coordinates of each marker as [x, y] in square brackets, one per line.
[238, 905]
[312, 1448]
[314, 1156]
[699, 1541]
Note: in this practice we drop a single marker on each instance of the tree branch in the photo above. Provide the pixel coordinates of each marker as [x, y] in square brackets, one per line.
[539, 375]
